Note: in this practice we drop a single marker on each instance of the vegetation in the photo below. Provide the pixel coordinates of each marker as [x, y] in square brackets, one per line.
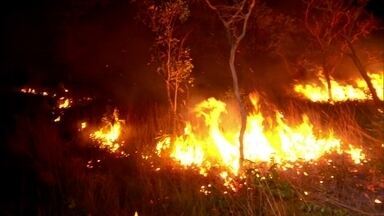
[51, 153]
[65, 178]
[235, 20]
[172, 57]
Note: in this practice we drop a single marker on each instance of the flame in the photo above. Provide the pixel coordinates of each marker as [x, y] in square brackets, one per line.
[83, 125]
[34, 91]
[28, 90]
[358, 91]
[356, 154]
[61, 101]
[108, 135]
[214, 142]
[64, 103]
[57, 119]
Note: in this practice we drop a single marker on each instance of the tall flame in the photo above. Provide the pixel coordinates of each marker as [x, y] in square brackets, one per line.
[357, 91]
[216, 144]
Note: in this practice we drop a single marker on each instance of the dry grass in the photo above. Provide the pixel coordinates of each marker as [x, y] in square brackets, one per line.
[121, 186]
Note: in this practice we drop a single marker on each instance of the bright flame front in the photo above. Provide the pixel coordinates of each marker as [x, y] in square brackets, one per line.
[357, 91]
[213, 142]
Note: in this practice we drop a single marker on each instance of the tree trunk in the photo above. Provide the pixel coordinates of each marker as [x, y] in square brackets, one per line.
[168, 82]
[329, 85]
[230, 23]
[169, 96]
[364, 74]
[175, 101]
[327, 76]
[286, 63]
[243, 114]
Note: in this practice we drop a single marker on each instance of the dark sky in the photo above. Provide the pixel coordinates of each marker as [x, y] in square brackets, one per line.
[97, 46]
[377, 8]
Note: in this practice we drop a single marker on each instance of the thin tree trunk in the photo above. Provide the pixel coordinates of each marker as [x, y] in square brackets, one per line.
[175, 105]
[364, 74]
[243, 114]
[327, 76]
[168, 83]
[234, 40]
[329, 85]
[169, 96]
[286, 63]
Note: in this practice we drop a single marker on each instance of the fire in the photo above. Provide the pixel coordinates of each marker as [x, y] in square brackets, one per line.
[34, 91]
[356, 154]
[64, 103]
[83, 125]
[109, 134]
[357, 91]
[57, 119]
[28, 90]
[213, 142]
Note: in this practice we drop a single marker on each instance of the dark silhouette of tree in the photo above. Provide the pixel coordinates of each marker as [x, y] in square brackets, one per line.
[323, 25]
[275, 33]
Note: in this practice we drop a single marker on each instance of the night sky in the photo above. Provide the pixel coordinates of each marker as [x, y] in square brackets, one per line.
[101, 47]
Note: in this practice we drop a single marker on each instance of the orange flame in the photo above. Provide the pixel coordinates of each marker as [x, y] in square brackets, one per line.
[64, 103]
[214, 144]
[358, 91]
[356, 154]
[108, 135]
[34, 91]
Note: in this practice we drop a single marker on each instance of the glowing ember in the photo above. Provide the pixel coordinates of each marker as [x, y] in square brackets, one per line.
[61, 101]
[83, 125]
[33, 91]
[214, 142]
[108, 136]
[57, 119]
[357, 91]
[64, 103]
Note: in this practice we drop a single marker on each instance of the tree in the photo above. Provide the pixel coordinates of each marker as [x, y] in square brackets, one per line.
[359, 25]
[336, 26]
[323, 25]
[234, 17]
[274, 34]
[172, 57]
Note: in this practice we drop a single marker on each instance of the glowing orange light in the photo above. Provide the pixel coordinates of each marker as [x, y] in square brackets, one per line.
[356, 91]
[64, 103]
[108, 135]
[211, 143]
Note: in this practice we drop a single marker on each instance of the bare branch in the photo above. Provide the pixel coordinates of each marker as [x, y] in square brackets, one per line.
[210, 5]
[234, 19]
[246, 18]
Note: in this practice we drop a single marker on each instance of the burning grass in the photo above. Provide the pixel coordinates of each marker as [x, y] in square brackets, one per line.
[344, 179]
[212, 142]
[109, 135]
[341, 92]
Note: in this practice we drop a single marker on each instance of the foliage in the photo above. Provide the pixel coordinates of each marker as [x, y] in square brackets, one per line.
[333, 27]
[171, 56]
